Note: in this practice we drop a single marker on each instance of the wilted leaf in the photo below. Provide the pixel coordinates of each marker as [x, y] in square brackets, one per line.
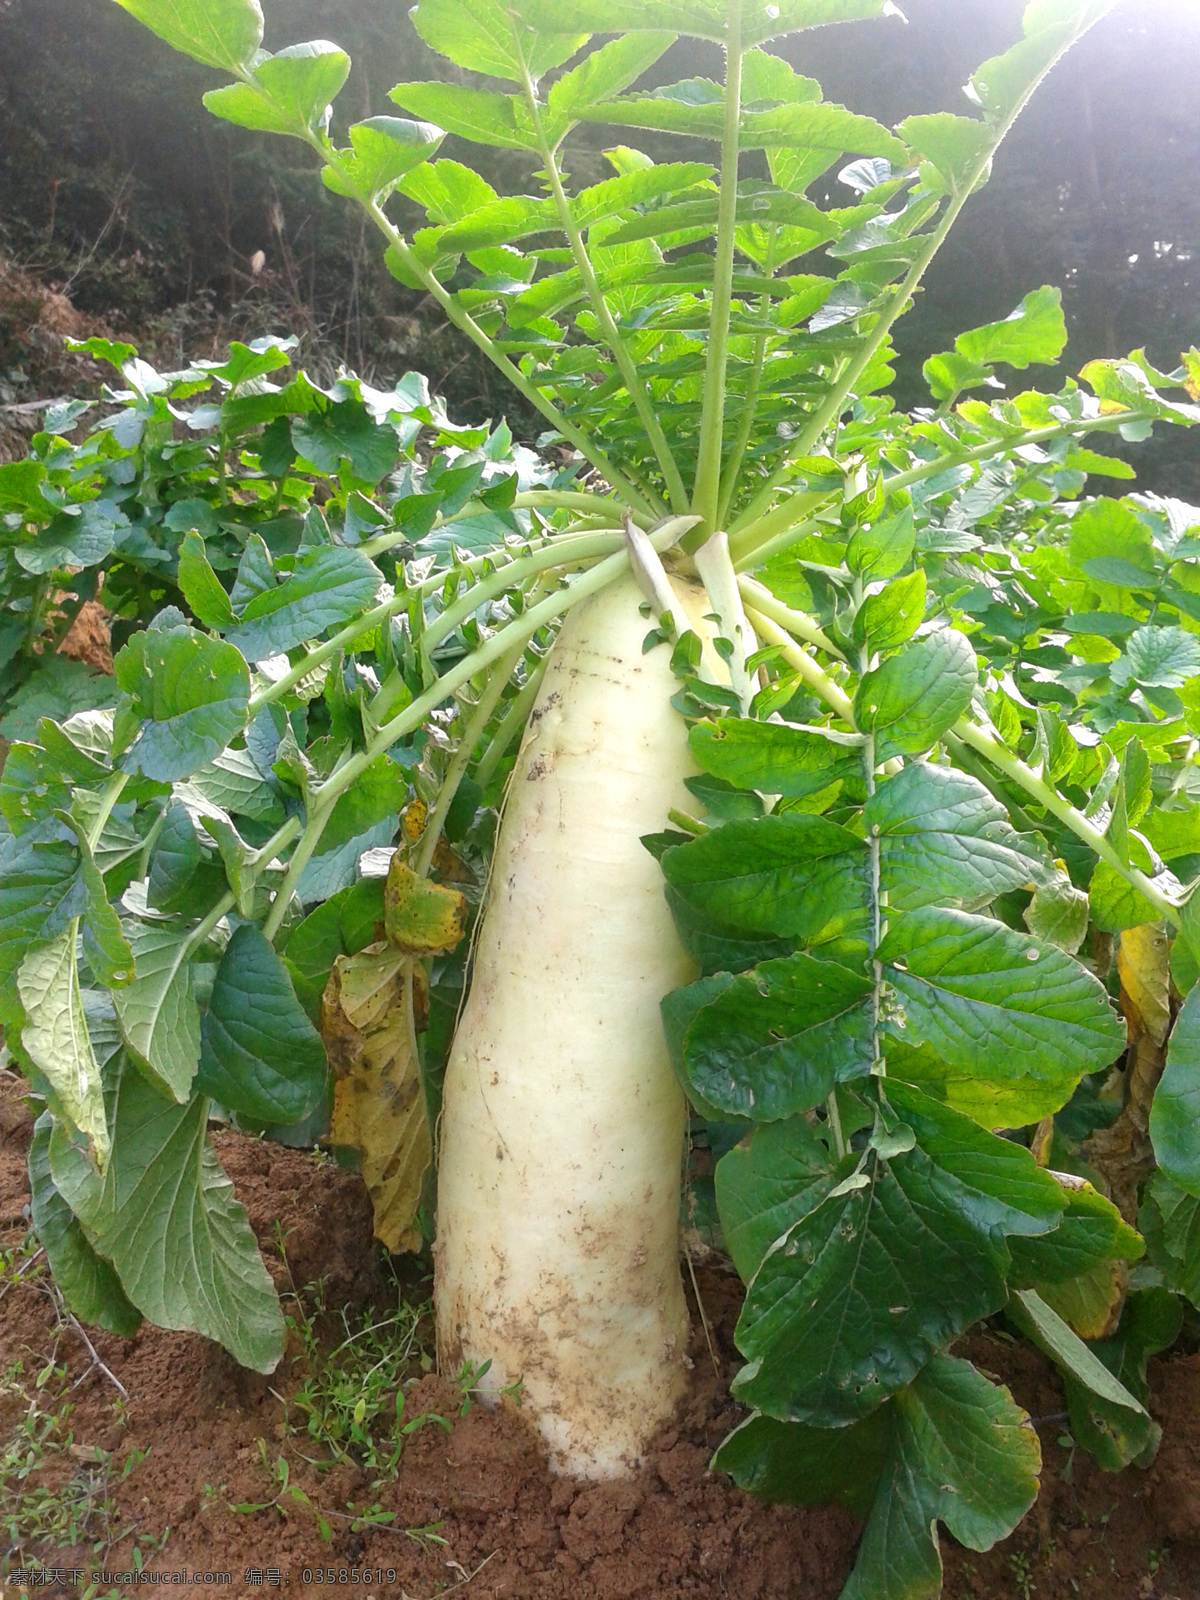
[379, 1105]
[422, 918]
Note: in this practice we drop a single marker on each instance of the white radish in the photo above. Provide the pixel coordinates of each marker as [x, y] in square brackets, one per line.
[563, 1128]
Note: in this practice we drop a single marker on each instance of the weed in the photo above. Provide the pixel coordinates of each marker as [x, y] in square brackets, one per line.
[1022, 1571]
[287, 1491]
[54, 1493]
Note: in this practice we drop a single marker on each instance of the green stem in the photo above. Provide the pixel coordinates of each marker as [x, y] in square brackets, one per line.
[706, 493]
[831, 407]
[584, 547]
[635, 385]
[1049, 797]
[511, 723]
[729, 477]
[795, 622]
[109, 796]
[467, 324]
[1011, 442]
[835, 1124]
[591, 507]
[202, 929]
[480, 716]
[520, 630]
[278, 841]
[801, 662]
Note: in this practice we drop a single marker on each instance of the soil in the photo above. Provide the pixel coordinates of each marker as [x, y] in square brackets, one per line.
[502, 1527]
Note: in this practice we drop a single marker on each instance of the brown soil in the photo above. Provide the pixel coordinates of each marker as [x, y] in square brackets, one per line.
[510, 1530]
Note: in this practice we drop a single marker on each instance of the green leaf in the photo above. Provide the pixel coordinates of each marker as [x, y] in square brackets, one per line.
[383, 150]
[795, 875]
[476, 114]
[342, 926]
[791, 1464]
[1113, 1434]
[882, 549]
[41, 893]
[1115, 904]
[184, 1251]
[885, 620]
[1169, 1218]
[85, 1280]
[201, 587]
[221, 33]
[702, 19]
[377, 793]
[999, 1184]
[772, 757]
[775, 1176]
[944, 839]
[606, 72]
[914, 697]
[57, 688]
[485, 36]
[327, 588]
[1162, 658]
[158, 1014]
[962, 1453]
[1034, 332]
[105, 947]
[953, 145]
[83, 537]
[1001, 84]
[55, 1037]
[260, 1056]
[290, 91]
[1048, 1330]
[1092, 1231]
[1175, 1113]
[850, 1303]
[778, 1038]
[233, 783]
[344, 431]
[1058, 913]
[1111, 543]
[183, 875]
[190, 694]
[988, 998]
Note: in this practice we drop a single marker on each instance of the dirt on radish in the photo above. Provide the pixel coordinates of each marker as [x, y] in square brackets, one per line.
[479, 1483]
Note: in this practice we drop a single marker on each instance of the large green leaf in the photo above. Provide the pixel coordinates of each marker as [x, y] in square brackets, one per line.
[999, 1184]
[233, 783]
[962, 1453]
[885, 620]
[1034, 332]
[772, 757]
[606, 72]
[183, 875]
[377, 794]
[190, 694]
[944, 839]
[55, 1037]
[996, 1001]
[954, 145]
[851, 1302]
[290, 91]
[794, 875]
[1047, 1329]
[702, 19]
[775, 1176]
[778, 1038]
[221, 33]
[1092, 1231]
[1110, 543]
[159, 1017]
[41, 893]
[260, 1055]
[1162, 658]
[915, 696]
[327, 587]
[201, 587]
[166, 1217]
[1175, 1113]
[345, 432]
[1001, 84]
[476, 114]
[81, 538]
[790, 1463]
[383, 150]
[86, 1280]
[1169, 1218]
[486, 36]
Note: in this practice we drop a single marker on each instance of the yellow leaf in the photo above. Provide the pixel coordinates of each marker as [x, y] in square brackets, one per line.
[1091, 1302]
[1144, 962]
[422, 918]
[379, 1098]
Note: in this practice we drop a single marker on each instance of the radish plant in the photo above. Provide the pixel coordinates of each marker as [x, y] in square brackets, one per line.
[937, 713]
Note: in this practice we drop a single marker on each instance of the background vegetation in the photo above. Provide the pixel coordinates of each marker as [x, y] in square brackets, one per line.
[116, 182]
